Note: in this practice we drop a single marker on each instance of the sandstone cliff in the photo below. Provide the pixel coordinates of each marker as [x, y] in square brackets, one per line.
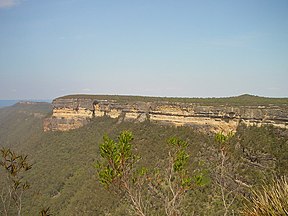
[75, 111]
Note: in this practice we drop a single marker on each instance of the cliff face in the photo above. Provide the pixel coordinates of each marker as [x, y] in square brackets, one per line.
[72, 113]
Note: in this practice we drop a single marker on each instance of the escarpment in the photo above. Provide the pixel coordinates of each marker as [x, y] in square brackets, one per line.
[76, 111]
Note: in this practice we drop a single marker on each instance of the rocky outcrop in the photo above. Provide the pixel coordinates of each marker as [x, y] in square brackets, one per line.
[74, 112]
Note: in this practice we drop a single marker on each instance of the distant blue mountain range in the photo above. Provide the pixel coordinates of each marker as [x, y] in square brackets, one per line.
[5, 103]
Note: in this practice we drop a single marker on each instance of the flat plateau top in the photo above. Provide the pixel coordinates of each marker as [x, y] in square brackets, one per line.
[242, 100]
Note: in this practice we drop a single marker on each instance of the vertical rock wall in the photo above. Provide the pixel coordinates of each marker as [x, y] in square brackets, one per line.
[72, 113]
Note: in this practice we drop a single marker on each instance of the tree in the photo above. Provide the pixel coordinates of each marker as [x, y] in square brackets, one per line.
[173, 182]
[223, 176]
[159, 191]
[117, 171]
[15, 166]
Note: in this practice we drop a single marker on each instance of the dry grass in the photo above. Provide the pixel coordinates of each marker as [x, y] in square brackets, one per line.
[271, 200]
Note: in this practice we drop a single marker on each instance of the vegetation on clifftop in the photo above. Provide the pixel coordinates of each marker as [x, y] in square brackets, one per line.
[242, 100]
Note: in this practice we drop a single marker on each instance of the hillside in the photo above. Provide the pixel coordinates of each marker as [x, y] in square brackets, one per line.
[5, 103]
[63, 176]
[21, 121]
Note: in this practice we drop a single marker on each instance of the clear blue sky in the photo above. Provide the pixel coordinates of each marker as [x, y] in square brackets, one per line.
[193, 48]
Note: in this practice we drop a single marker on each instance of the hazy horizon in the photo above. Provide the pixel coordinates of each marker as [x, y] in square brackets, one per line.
[149, 48]
[50, 99]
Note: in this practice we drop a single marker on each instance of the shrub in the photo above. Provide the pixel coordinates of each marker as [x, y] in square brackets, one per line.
[270, 200]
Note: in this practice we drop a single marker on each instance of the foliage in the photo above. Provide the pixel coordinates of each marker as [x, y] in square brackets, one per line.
[223, 177]
[222, 139]
[269, 200]
[117, 170]
[63, 178]
[246, 99]
[15, 165]
[118, 159]
[140, 188]
[172, 180]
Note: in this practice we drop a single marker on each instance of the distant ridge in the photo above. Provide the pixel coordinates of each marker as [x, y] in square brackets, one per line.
[7, 103]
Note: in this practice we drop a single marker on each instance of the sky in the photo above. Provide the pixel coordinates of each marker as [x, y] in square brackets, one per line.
[171, 48]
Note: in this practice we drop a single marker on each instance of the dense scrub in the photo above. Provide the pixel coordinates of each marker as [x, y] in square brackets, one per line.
[63, 176]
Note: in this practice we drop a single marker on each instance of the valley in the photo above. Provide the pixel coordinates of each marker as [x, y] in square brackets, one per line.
[64, 178]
